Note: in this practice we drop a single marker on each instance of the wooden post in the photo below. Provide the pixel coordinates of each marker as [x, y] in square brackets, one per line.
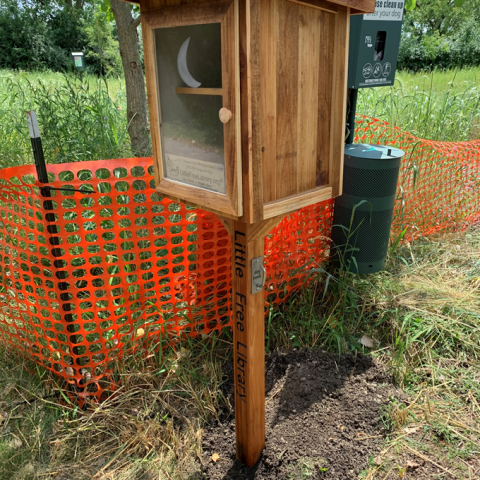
[249, 346]
[248, 302]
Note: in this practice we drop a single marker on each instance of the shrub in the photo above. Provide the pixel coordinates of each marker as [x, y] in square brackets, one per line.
[459, 50]
[42, 36]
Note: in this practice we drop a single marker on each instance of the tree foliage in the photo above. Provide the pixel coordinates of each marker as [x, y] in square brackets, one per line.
[103, 53]
[438, 33]
[39, 34]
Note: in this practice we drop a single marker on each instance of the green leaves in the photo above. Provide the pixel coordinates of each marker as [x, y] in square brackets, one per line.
[105, 7]
[410, 4]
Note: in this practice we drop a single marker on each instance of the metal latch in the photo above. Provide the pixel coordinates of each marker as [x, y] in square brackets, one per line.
[259, 275]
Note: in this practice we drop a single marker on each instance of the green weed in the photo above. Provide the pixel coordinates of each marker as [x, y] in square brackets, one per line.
[79, 117]
[83, 117]
[440, 106]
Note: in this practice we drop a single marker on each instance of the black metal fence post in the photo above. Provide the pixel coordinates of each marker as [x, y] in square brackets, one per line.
[56, 252]
[37, 147]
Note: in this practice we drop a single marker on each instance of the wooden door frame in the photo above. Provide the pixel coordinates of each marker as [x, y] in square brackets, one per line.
[225, 12]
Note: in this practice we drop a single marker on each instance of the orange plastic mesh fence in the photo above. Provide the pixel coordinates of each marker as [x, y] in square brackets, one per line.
[82, 275]
[438, 185]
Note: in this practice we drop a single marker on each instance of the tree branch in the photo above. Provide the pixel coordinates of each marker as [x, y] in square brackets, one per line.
[135, 23]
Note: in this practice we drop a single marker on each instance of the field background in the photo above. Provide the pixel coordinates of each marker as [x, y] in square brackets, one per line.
[83, 117]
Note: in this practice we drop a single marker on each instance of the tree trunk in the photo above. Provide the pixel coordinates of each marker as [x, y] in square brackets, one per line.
[137, 116]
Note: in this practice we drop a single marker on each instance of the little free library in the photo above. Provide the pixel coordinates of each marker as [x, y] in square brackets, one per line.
[247, 102]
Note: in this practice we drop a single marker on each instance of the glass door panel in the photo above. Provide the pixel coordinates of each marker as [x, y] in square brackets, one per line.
[189, 64]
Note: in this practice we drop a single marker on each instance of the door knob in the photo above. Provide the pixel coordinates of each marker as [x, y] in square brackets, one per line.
[225, 115]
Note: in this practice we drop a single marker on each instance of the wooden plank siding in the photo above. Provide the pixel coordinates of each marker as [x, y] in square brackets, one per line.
[266, 110]
[324, 101]
[286, 55]
[338, 110]
[309, 47]
[297, 114]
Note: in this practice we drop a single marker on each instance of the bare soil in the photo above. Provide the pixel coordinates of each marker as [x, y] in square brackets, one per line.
[323, 419]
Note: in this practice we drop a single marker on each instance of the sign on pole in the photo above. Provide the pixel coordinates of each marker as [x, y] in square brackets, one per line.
[78, 59]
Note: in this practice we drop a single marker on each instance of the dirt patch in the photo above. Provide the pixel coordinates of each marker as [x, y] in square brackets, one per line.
[323, 419]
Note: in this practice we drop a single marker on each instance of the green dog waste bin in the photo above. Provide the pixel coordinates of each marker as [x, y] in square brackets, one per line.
[370, 175]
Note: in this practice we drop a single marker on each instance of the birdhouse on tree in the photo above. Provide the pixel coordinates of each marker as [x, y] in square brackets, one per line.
[247, 101]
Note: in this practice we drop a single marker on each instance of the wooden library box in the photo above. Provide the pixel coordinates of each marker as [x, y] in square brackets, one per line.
[247, 101]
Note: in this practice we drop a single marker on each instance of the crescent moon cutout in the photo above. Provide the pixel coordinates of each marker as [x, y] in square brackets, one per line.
[182, 65]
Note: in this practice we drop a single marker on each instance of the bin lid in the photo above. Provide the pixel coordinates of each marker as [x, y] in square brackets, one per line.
[373, 152]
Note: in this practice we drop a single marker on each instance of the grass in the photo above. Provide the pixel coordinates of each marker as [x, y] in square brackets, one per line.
[152, 423]
[439, 105]
[80, 118]
[422, 314]
[83, 118]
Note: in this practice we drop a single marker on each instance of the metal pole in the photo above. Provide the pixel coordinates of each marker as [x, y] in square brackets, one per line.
[37, 147]
[52, 229]
[352, 110]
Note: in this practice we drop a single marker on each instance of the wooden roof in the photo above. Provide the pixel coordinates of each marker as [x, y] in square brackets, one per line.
[357, 6]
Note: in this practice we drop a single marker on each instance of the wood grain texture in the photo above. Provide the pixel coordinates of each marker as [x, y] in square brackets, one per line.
[249, 98]
[199, 91]
[357, 6]
[364, 6]
[322, 169]
[231, 101]
[339, 100]
[229, 205]
[287, 34]
[353, 11]
[289, 80]
[267, 148]
[297, 43]
[256, 121]
[245, 108]
[297, 201]
[260, 229]
[318, 4]
[248, 347]
[227, 223]
[147, 5]
[308, 77]
[151, 79]
[198, 13]
[197, 197]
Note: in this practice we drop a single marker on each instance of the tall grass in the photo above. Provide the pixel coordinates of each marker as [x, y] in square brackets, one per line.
[84, 118]
[419, 317]
[442, 106]
[80, 118]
